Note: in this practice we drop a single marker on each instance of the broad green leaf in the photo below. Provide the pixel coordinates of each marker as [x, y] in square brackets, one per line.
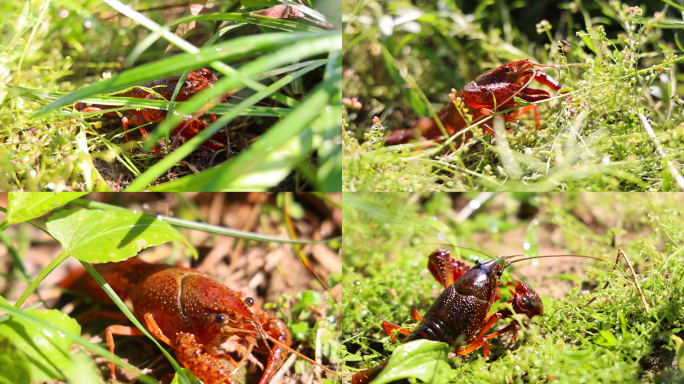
[25, 206]
[579, 355]
[106, 236]
[424, 360]
[40, 354]
[605, 338]
[47, 326]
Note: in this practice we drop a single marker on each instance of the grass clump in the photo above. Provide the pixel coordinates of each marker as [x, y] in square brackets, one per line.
[620, 67]
[612, 340]
[283, 72]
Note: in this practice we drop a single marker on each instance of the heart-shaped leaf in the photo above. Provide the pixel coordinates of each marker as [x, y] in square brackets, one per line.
[107, 236]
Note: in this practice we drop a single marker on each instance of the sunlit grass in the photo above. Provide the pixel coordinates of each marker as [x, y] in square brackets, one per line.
[48, 145]
[594, 137]
[389, 236]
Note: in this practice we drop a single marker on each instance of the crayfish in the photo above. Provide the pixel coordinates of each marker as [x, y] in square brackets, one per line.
[188, 128]
[460, 315]
[193, 313]
[491, 92]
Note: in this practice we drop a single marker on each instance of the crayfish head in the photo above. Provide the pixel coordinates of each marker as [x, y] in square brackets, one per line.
[198, 80]
[482, 280]
[214, 311]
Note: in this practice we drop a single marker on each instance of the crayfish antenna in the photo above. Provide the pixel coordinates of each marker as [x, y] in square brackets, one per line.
[542, 257]
[276, 341]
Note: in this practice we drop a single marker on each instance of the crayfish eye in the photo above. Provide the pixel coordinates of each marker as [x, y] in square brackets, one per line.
[506, 69]
[220, 319]
[249, 301]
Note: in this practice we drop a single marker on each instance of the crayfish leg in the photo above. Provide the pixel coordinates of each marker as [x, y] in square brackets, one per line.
[389, 327]
[154, 329]
[415, 315]
[480, 339]
[525, 109]
[122, 330]
[547, 80]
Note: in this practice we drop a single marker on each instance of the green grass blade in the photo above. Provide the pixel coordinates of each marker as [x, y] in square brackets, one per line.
[288, 25]
[233, 49]
[224, 177]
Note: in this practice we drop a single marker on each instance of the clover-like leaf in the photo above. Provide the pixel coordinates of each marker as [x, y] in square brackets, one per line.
[424, 360]
[107, 236]
[35, 353]
[25, 206]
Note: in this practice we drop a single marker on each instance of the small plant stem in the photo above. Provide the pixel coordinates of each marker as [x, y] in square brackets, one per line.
[672, 167]
[298, 250]
[17, 261]
[200, 226]
[53, 264]
[636, 282]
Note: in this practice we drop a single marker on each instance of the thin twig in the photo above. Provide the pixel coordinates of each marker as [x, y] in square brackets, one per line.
[318, 356]
[636, 282]
[671, 166]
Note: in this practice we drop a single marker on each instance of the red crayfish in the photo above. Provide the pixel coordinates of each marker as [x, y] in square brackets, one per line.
[193, 313]
[491, 92]
[189, 127]
[460, 315]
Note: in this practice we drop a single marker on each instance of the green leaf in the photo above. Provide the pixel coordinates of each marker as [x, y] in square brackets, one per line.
[424, 360]
[605, 339]
[299, 329]
[308, 298]
[106, 236]
[679, 350]
[290, 25]
[25, 206]
[36, 353]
